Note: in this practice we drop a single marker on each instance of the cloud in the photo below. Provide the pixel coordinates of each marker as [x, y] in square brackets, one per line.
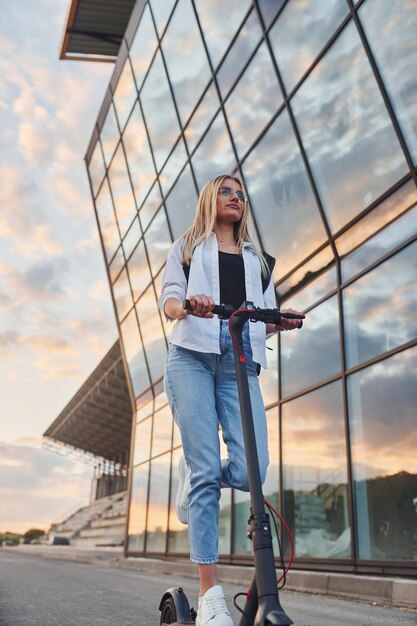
[16, 196]
[50, 343]
[36, 144]
[43, 281]
[9, 339]
[37, 486]
[42, 242]
[100, 291]
[92, 332]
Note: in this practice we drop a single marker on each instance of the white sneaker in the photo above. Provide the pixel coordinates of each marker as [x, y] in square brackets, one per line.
[183, 491]
[212, 609]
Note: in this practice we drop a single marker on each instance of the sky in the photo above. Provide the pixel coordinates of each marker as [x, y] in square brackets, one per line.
[56, 317]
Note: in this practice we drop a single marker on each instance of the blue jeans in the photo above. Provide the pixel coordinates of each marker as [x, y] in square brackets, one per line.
[202, 393]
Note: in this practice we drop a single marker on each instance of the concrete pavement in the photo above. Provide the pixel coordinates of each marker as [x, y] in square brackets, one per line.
[52, 592]
[398, 592]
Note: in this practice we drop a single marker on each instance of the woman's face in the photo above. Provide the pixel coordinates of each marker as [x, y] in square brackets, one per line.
[230, 202]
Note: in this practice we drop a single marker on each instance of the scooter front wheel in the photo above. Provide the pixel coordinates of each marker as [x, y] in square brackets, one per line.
[168, 613]
[175, 609]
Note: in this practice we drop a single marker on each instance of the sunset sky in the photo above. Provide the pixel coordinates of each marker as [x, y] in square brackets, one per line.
[56, 320]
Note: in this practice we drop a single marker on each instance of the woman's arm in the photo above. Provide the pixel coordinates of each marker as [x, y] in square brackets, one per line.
[285, 323]
[174, 309]
[174, 284]
[201, 307]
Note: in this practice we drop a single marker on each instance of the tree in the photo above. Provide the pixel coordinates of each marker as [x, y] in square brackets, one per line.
[33, 533]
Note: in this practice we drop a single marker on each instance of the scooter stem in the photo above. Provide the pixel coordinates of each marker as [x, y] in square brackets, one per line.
[267, 610]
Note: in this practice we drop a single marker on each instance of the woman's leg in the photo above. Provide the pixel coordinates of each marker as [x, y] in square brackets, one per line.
[234, 469]
[208, 577]
[189, 384]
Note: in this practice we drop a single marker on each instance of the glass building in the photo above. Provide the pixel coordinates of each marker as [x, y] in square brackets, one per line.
[314, 105]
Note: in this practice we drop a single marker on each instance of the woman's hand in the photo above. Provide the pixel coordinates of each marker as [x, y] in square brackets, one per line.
[201, 306]
[285, 324]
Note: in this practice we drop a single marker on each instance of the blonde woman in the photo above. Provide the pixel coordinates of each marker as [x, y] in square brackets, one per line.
[215, 261]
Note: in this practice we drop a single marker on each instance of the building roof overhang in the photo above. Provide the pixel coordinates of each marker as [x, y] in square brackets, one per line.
[95, 29]
[98, 419]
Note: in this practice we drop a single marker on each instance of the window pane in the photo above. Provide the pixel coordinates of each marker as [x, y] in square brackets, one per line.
[109, 135]
[117, 264]
[315, 475]
[186, 58]
[125, 94]
[305, 27]
[142, 441]
[162, 431]
[158, 504]
[394, 205]
[137, 511]
[144, 410]
[239, 54]
[214, 156]
[382, 408]
[139, 157]
[159, 112]
[313, 292]
[107, 220]
[282, 196]
[161, 12]
[391, 27]
[311, 354]
[143, 47]
[160, 400]
[158, 286]
[121, 189]
[381, 243]
[135, 358]
[380, 307]
[306, 274]
[138, 268]
[202, 117]
[122, 294]
[150, 206]
[253, 101]
[96, 168]
[218, 31]
[132, 237]
[158, 242]
[224, 521]
[353, 150]
[269, 9]
[178, 533]
[172, 167]
[181, 203]
[152, 333]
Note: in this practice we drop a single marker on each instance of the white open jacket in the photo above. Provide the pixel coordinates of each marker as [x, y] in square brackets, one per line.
[203, 334]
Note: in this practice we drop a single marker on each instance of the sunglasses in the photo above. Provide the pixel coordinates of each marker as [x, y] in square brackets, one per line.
[226, 192]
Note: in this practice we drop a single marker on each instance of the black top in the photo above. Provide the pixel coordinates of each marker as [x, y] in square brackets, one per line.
[232, 279]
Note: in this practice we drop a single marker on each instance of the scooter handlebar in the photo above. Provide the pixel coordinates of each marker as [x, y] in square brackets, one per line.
[255, 314]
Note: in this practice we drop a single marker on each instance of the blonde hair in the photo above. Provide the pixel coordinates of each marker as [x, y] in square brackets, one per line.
[205, 221]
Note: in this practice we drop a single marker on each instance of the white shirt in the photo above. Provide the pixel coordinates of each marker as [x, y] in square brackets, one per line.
[202, 334]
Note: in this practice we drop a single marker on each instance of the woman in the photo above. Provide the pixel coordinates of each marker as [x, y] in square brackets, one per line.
[214, 262]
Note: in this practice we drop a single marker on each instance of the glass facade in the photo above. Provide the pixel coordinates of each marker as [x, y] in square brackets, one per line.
[314, 104]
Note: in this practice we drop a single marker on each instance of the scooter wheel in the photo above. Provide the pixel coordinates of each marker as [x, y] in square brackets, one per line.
[168, 612]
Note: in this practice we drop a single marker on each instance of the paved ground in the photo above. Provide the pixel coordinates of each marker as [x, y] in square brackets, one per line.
[36, 591]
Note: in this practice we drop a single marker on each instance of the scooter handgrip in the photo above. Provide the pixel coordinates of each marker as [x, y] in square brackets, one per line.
[218, 309]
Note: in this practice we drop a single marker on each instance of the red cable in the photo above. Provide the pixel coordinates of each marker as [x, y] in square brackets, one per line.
[283, 522]
[241, 354]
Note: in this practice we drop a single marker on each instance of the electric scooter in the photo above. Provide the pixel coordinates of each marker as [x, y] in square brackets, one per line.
[262, 607]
